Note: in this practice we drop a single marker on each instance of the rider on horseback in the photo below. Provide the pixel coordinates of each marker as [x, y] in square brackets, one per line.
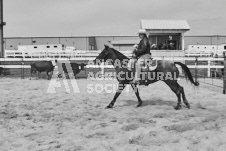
[142, 53]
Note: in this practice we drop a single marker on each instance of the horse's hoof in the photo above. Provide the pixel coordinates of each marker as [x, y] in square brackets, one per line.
[139, 104]
[109, 106]
[188, 106]
[178, 107]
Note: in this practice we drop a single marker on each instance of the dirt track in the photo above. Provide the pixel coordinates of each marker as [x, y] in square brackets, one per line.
[32, 119]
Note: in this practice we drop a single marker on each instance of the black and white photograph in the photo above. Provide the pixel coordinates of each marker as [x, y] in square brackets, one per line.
[112, 75]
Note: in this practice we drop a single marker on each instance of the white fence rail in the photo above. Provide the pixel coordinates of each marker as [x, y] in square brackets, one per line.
[94, 53]
[54, 54]
[49, 53]
[210, 62]
[204, 53]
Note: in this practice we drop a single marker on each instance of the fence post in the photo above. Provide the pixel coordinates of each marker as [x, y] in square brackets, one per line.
[196, 70]
[22, 69]
[224, 76]
[208, 70]
[102, 69]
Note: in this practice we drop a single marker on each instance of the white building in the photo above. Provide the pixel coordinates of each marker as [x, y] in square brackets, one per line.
[160, 32]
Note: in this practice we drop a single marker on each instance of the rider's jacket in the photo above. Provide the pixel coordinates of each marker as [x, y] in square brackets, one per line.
[143, 48]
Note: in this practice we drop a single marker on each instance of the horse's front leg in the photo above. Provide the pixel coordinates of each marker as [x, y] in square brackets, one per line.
[118, 92]
[37, 75]
[134, 86]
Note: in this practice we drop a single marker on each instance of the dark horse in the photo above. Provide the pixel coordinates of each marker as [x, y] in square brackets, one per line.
[163, 66]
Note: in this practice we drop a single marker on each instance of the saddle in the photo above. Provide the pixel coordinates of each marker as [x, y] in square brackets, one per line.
[148, 67]
[151, 66]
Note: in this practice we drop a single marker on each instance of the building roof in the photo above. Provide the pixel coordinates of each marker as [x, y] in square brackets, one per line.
[165, 25]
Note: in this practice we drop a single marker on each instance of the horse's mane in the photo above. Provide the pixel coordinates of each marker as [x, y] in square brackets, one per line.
[119, 54]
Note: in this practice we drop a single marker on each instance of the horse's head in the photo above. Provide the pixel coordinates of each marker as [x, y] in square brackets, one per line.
[83, 66]
[104, 55]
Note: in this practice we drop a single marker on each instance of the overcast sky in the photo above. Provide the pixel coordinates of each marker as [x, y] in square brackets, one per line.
[108, 17]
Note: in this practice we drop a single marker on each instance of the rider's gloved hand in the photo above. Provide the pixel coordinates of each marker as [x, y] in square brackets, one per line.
[133, 55]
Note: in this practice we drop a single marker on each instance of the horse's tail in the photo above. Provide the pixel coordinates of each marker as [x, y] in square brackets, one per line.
[187, 72]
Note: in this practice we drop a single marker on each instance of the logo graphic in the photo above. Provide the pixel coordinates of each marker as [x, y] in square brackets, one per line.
[56, 83]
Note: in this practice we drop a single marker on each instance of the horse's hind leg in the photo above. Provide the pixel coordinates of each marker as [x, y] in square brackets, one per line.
[47, 73]
[31, 74]
[176, 88]
[137, 94]
[184, 98]
[119, 91]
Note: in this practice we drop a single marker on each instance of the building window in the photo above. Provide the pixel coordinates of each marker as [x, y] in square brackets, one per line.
[224, 47]
[35, 47]
[55, 46]
[47, 46]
